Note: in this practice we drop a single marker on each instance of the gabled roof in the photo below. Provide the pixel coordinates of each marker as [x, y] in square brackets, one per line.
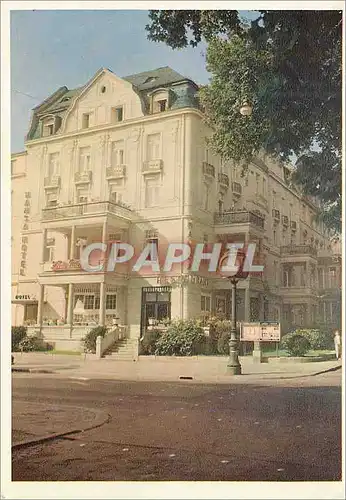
[159, 77]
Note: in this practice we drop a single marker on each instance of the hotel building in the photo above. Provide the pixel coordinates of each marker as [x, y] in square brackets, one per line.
[125, 159]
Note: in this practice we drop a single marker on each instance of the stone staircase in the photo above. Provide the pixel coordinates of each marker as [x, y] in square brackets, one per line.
[123, 350]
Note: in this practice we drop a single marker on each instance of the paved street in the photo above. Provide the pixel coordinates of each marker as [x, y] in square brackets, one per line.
[289, 430]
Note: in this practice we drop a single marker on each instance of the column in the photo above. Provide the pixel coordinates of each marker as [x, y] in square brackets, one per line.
[69, 319]
[40, 306]
[102, 313]
[247, 305]
[73, 242]
[44, 243]
[104, 241]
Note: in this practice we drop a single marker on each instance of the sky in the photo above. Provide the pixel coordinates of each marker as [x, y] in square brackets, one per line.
[52, 48]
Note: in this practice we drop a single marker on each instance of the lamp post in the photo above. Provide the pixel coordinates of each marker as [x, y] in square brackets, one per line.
[234, 366]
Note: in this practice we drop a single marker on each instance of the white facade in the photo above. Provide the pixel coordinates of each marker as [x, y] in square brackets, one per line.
[127, 161]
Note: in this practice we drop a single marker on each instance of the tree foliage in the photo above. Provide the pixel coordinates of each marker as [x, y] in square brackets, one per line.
[288, 64]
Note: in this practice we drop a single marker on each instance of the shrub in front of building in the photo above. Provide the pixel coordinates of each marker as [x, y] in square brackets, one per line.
[295, 344]
[148, 343]
[182, 338]
[319, 339]
[32, 344]
[18, 334]
[89, 340]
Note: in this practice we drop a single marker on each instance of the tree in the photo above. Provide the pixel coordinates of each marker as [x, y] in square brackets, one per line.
[288, 65]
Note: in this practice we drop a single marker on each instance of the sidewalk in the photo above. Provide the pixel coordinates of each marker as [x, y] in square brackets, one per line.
[30, 420]
[198, 368]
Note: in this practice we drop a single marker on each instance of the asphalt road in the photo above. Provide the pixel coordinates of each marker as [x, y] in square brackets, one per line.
[187, 432]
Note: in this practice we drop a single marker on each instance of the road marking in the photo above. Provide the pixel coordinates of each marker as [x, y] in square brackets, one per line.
[79, 378]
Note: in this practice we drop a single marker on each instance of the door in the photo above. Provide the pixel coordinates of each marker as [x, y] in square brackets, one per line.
[156, 306]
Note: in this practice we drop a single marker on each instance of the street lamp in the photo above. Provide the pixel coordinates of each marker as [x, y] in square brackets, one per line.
[234, 367]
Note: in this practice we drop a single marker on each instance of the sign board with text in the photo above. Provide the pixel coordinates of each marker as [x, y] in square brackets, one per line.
[265, 331]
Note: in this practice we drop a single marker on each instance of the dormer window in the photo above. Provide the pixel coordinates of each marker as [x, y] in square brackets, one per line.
[159, 101]
[162, 104]
[48, 126]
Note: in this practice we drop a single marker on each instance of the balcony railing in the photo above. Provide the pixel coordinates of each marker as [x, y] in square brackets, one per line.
[243, 217]
[208, 169]
[152, 166]
[85, 209]
[83, 177]
[115, 172]
[52, 182]
[298, 250]
[223, 179]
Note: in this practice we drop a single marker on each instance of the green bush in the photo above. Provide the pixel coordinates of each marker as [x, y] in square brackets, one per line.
[182, 338]
[148, 344]
[32, 344]
[295, 344]
[319, 339]
[89, 340]
[18, 334]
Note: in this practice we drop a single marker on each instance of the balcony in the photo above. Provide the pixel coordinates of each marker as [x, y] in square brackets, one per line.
[52, 182]
[208, 169]
[82, 210]
[83, 177]
[152, 167]
[116, 172]
[236, 188]
[241, 217]
[299, 250]
[223, 180]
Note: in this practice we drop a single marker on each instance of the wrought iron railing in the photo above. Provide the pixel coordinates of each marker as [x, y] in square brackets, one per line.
[241, 217]
[80, 209]
[299, 250]
[208, 169]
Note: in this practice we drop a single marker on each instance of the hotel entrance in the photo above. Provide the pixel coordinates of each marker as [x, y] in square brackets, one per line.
[156, 306]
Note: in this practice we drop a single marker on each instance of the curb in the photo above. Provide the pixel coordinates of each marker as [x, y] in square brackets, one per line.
[31, 370]
[102, 419]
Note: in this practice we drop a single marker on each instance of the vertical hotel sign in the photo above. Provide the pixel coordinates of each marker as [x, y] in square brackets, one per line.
[25, 227]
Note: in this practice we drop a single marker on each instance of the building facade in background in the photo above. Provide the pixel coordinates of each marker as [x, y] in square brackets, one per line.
[125, 159]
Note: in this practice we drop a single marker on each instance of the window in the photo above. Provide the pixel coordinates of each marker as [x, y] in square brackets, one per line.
[84, 159]
[115, 197]
[117, 153]
[162, 104]
[206, 196]
[111, 301]
[53, 165]
[221, 305]
[49, 250]
[286, 279]
[48, 127]
[117, 114]
[86, 120]
[153, 147]
[264, 187]
[274, 237]
[103, 89]
[154, 242]
[52, 200]
[89, 301]
[151, 193]
[205, 303]
[82, 196]
[257, 183]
